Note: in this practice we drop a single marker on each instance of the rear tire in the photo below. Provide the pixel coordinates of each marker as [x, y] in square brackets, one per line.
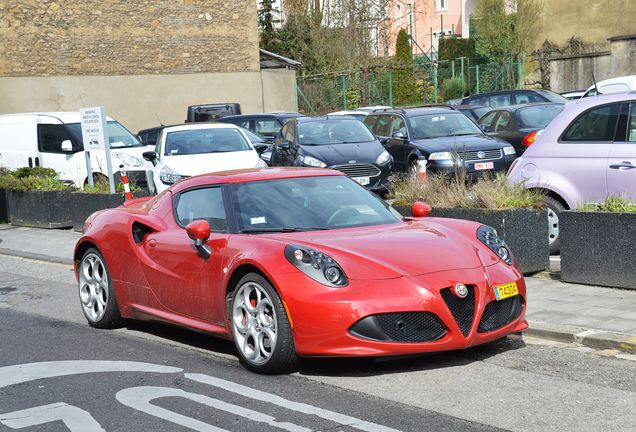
[554, 208]
[260, 327]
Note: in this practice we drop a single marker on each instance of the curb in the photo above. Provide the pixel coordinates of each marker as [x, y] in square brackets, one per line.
[36, 256]
[597, 339]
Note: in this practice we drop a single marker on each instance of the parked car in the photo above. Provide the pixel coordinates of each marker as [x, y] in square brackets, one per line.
[443, 136]
[513, 97]
[587, 153]
[624, 84]
[298, 262]
[362, 112]
[54, 140]
[519, 124]
[192, 149]
[266, 125]
[208, 112]
[573, 95]
[473, 112]
[338, 142]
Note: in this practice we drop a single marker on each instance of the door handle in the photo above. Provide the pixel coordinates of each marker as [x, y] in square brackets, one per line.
[624, 164]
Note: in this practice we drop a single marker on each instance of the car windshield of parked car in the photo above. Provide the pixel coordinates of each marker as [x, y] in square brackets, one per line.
[254, 138]
[198, 141]
[442, 125]
[118, 135]
[538, 117]
[333, 131]
[553, 97]
[307, 204]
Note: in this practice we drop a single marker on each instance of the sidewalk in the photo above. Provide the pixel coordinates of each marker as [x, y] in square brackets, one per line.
[601, 318]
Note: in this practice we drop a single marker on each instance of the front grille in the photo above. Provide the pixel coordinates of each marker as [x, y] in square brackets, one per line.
[400, 327]
[463, 310]
[358, 170]
[499, 313]
[472, 155]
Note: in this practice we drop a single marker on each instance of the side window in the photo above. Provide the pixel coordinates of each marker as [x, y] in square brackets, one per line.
[398, 125]
[266, 127]
[488, 118]
[503, 122]
[631, 123]
[382, 127]
[598, 124]
[499, 100]
[50, 138]
[244, 123]
[206, 204]
[370, 121]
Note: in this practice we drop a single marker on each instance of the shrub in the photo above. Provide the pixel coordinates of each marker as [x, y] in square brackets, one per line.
[25, 179]
[613, 204]
[453, 88]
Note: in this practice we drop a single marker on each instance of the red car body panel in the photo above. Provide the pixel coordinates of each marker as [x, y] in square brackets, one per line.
[398, 267]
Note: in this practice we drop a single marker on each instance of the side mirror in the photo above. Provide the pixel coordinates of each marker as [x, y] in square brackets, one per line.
[486, 128]
[420, 209]
[67, 146]
[150, 156]
[260, 147]
[199, 231]
[398, 135]
[284, 145]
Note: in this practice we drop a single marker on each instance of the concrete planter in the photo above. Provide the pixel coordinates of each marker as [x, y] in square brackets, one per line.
[84, 204]
[524, 230]
[598, 248]
[41, 209]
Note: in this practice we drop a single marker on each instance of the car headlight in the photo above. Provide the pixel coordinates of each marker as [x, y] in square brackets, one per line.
[441, 156]
[317, 265]
[509, 150]
[313, 162]
[128, 159]
[384, 158]
[168, 176]
[489, 236]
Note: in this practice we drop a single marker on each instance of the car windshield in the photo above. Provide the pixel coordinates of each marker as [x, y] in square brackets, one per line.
[333, 131]
[553, 97]
[198, 141]
[442, 125]
[538, 116]
[480, 111]
[254, 138]
[118, 135]
[310, 203]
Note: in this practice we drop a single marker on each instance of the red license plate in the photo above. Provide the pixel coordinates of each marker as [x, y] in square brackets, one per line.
[484, 165]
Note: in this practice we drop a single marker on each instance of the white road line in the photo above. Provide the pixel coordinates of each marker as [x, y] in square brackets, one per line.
[285, 403]
[140, 398]
[74, 418]
[17, 374]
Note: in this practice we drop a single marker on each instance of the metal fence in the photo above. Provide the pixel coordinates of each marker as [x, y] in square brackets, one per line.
[347, 90]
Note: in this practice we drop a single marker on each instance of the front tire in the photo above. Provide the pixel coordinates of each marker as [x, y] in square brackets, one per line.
[554, 208]
[96, 292]
[260, 327]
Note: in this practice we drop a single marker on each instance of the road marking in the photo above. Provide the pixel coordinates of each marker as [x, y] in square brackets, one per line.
[140, 398]
[74, 418]
[17, 374]
[285, 403]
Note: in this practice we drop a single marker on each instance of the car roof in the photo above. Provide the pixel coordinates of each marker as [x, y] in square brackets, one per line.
[63, 116]
[417, 111]
[338, 117]
[470, 106]
[252, 175]
[195, 126]
[519, 106]
[282, 114]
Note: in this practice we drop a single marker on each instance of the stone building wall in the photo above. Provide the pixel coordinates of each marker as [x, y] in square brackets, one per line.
[127, 37]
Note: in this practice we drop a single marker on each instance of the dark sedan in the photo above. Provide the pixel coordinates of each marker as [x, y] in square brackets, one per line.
[519, 124]
[473, 112]
[266, 125]
[339, 142]
[444, 136]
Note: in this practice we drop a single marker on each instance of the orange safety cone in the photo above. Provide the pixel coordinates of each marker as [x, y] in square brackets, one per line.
[421, 169]
[124, 180]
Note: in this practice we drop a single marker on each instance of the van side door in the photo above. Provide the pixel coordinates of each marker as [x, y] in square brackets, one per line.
[55, 152]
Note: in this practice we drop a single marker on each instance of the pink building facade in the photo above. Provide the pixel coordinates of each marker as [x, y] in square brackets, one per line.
[426, 20]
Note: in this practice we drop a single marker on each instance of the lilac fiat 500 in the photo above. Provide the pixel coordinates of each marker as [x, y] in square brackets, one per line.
[587, 153]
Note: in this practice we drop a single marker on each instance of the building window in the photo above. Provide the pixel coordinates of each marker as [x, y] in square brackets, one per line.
[441, 5]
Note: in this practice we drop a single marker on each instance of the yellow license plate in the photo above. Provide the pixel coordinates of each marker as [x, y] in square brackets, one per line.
[505, 291]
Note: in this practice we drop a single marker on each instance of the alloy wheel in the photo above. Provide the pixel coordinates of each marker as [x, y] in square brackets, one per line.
[93, 287]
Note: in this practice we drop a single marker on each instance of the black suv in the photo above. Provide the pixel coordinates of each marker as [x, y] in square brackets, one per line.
[266, 125]
[443, 136]
[513, 97]
[337, 142]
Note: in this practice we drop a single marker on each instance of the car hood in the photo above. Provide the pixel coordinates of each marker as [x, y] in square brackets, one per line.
[469, 142]
[404, 249]
[190, 165]
[338, 154]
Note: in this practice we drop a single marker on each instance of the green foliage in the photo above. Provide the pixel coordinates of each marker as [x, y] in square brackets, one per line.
[403, 78]
[296, 42]
[453, 88]
[101, 185]
[493, 193]
[613, 204]
[25, 179]
[452, 48]
[34, 172]
[266, 21]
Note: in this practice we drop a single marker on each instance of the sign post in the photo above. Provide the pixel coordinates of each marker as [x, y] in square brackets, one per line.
[95, 138]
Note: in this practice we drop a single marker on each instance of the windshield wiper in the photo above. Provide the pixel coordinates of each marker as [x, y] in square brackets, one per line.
[282, 229]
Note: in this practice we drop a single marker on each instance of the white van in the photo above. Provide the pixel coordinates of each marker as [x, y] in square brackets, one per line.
[54, 140]
[624, 84]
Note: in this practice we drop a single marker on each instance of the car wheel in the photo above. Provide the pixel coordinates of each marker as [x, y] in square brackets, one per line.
[96, 293]
[554, 208]
[261, 328]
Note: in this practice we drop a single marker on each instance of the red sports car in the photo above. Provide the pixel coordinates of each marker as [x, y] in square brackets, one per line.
[298, 262]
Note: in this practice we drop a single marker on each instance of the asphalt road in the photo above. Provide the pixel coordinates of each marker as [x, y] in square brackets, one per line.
[57, 371]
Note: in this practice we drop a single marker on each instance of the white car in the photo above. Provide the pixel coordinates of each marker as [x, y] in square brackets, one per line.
[624, 84]
[193, 149]
[362, 112]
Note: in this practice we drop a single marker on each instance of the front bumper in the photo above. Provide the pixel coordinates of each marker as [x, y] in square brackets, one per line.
[322, 318]
[447, 167]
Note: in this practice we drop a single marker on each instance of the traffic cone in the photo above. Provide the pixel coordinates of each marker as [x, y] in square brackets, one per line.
[421, 169]
[124, 180]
